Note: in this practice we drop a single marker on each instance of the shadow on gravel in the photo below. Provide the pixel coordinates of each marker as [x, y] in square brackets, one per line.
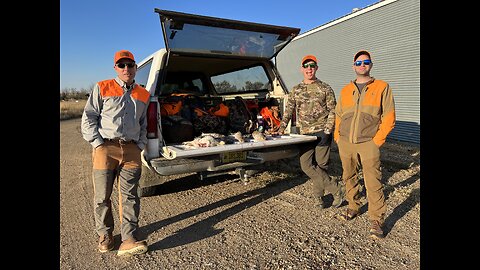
[400, 211]
[188, 183]
[403, 208]
[205, 228]
[409, 181]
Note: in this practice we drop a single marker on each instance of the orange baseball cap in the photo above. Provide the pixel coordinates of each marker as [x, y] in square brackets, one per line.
[309, 57]
[360, 53]
[123, 54]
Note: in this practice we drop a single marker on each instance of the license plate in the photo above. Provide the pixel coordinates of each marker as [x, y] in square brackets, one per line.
[234, 156]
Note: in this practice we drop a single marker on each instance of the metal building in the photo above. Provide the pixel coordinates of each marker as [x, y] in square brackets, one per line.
[390, 31]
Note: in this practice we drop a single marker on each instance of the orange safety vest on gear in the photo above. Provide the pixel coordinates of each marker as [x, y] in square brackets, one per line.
[272, 120]
[172, 104]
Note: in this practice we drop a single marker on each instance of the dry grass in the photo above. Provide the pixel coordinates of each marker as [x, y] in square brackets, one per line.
[71, 109]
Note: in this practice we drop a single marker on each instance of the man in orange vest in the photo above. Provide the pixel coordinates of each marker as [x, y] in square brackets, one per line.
[365, 115]
[114, 122]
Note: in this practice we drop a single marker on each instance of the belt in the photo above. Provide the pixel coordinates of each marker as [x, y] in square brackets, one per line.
[117, 140]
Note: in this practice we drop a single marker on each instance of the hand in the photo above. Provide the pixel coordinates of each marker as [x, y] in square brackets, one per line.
[325, 139]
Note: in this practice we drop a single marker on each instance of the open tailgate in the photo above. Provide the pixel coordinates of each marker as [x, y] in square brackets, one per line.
[184, 151]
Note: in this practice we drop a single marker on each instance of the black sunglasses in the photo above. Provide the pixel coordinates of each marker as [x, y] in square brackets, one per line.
[122, 65]
[366, 62]
[312, 65]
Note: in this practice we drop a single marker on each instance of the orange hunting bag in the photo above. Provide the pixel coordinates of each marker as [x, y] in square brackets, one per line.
[171, 105]
[219, 110]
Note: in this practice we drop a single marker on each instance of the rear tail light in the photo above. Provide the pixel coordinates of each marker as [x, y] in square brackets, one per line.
[152, 120]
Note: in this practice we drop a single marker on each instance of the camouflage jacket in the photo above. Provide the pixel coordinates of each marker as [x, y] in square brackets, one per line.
[315, 107]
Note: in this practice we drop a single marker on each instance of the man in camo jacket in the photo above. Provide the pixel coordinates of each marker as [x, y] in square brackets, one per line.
[314, 102]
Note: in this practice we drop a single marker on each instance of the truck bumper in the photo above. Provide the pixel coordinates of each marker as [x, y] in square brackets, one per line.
[214, 162]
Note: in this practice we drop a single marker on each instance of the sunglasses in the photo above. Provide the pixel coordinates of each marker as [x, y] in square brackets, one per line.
[122, 65]
[359, 62]
[312, 65]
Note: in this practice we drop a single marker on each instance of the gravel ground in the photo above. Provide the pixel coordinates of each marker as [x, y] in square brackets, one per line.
[271, 222]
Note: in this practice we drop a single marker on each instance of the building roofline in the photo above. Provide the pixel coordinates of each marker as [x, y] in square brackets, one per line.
[345, 17]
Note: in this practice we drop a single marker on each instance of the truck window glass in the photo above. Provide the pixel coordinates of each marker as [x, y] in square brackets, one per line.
[142, 73]
[182, 82]
[246, 80]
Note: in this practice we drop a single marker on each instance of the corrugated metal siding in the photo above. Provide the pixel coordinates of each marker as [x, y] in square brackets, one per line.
[391, 33]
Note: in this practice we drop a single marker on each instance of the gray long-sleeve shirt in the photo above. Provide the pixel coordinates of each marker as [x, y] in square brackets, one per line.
[114, 111]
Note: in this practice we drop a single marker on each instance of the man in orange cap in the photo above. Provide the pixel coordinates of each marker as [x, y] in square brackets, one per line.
[365, 115]
[314, 102]
[114, 122]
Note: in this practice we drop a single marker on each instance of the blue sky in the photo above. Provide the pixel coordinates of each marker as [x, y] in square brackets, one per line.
[91, 31]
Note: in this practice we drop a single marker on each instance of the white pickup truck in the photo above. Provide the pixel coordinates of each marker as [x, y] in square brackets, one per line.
[215, 60]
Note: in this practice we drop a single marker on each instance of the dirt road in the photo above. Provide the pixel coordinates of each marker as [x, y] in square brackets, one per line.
[220, 223]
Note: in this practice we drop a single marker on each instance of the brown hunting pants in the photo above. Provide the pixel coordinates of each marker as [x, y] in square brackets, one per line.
[119, 161]
[366, 155]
